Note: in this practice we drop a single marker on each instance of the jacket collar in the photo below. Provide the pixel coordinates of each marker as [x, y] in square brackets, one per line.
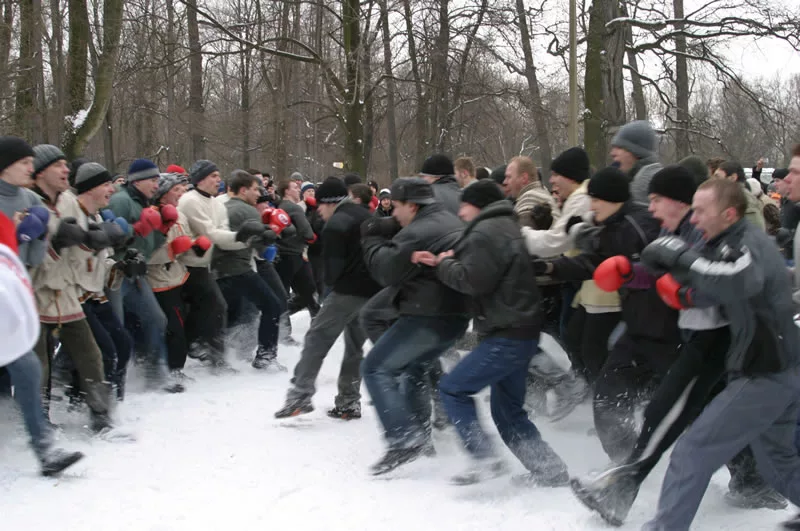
[535, 185]
[626, 208]
[7, 189]
[734, 230]
[641, 163]
[204, 194]
[445, 179]
[46, 198]
[497, 209]
[137, 196]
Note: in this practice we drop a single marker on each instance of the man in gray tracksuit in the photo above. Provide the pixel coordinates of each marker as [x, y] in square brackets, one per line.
[742, 271]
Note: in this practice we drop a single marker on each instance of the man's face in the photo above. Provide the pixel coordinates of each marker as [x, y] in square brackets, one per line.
[515, 181]
[100, 195]
[404, 212]
[603, 209]
[210, 184]
[147, 187]
[462, 176]
[326, 210]
[707, 216]
[56, 176]
[175, 193]
[386, 203]
[561, 187]
[293, 192]
[260, 178]
[467, 212]
[720, 174]
[250, 194]
[310, 192]
[20, 173]
[793, 179]
[782, 187]
[624, 158]
[668, 211]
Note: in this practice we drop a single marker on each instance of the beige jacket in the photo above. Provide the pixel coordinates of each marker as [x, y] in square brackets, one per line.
[532, 195]
[555, 240]
[164, 271]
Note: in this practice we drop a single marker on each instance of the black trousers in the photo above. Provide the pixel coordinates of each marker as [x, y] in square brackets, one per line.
[296, 275]
[252, 288]
[171, 302]
[206, 312]
[315, 260]
[586, 341]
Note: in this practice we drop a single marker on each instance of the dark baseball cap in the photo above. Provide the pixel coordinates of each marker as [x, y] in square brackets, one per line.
[412, 190]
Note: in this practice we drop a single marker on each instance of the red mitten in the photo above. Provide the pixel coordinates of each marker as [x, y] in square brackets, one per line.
[313, 240]
[169, 217]
[673, 294]
[180, 245]
[149, 221]
[201, 245]
[613, 273]
[278, 221]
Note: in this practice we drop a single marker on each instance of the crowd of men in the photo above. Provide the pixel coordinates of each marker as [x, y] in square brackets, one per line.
[671, 286]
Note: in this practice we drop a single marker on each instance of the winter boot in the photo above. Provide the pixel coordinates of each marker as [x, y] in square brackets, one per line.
[350, 412]
[481, 470]
[267, 359]
[100, 422]
[55, 460]
[764, 497]
[793, 524]
[570, 393]
[611, 494]
[294, 408]
[395, 458]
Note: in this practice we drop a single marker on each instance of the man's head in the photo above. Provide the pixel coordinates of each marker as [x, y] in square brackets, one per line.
[373, 185]
[50, 169]
[205, 176]
[143, 175]
[568, 171]
[257, 174]
[731, 171]
[16, 161]
[385, 198]
[94, 186]
[331, 192]
[307, 190]
[245, 187]
[634, 141]
[171, 186]
[360, 193]
[520, 172]
[436, 167]
[670, 193]
[608, 189]
[780, 182]
[713, 163]
[717, 204]
[793, 176]
[482, 173]
[409, 194]
[696, 167]
[464, 171]
[288, 189]
[351, 178]
[478, 196]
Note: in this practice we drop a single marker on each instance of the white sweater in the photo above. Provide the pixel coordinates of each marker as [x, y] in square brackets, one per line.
[555, 240]
[19, 326]
[209, 218]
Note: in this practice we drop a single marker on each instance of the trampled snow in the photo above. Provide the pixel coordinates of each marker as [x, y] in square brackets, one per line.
[216, 458]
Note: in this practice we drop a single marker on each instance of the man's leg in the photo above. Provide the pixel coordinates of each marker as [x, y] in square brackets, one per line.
[258, 292]
[102, 338]
[273, 280]
[171, 303]
[304, 288]
[349, 383]
[26, 375]
[44, 352]
[207, 315]
[140, 302]
[378, 314]
[594, 342]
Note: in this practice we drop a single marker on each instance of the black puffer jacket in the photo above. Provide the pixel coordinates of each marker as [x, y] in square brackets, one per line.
[626, 233]
[492, 265]
[417, 289]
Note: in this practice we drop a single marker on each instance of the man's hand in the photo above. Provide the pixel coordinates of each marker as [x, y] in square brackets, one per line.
[760, 163]
[423, 257]
[446, 254]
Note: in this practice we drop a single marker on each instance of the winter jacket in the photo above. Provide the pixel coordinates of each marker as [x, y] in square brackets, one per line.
[790, 214]
[165, 271]
[342, 255]
[447, 192]
[297, 243]
[754, 213]
[227, 263]
[626, 233]
[492, 266]
[317, 224]
[19, 326]
[743, 271]
[641, 175]
[417, 290]
[14, 199]
[555, 240]
[206, 217]
[535, 194]
[128, 203]
[381, 213]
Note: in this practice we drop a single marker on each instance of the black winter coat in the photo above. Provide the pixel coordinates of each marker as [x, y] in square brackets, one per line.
[626, 233]
[417, 289]
[493, 267]
[447, 192]
[342, 256]
[317, 224]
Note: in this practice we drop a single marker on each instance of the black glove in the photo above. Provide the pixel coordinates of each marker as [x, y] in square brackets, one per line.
[267, 238]
[542, 217]
[586, 237]
[385, 227]
[666, 253]
[116, 236]
[783, 237]
[68, 234]
[572, 221]
[540, 267]
[250, 229]
[96, 238]
[132, 264]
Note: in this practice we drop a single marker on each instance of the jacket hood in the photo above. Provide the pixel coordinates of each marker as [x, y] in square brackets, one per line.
[502, 208]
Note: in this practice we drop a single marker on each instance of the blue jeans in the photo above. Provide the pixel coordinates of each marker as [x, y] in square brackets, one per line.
[136, 297]
[502, 364]
[26, 377]
[114, 341]
[404, 353]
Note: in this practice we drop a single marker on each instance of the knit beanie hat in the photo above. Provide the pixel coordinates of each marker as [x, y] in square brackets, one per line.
[166, 182]
[696, 167]
[675, 182]
[174, 168]
[638, 138]
[437, 165]
[332, 190]
[200, 170]
[609, 184]
[385, 193]
[305, 186]
[90, 175]
[351, 178]
[13, 149]
[141, 169]
[44, 155]
[296, 176]
[572, 164]
[482, 193]
[498, 174]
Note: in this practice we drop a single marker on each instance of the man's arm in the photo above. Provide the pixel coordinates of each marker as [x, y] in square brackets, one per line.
[334, 252]
[300, 221]
[389, 260]
[718, 281]
[476, 270]
[201, 223]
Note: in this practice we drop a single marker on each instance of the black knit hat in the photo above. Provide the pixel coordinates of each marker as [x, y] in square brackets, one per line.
[200, 170]
[675, 182]
[437, 166]
[609, 184]
[572, 164]
[351, 178]
[482, 193]
[332, 190]
[780, 173]
[90, 175]
[13, 149]
[498, 174]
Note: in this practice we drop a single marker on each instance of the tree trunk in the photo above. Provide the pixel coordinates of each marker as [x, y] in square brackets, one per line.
[108, 141]
[539, 118]
[440, 77]
[78, 55]
[6, 22]
[245, 106]
[25, 89]
[56, 65]
[80, 134]
[639, 102]
[353, 103]
[172, 112]
[421, 151]
[681, 87]
[197, 120]
[391, 125]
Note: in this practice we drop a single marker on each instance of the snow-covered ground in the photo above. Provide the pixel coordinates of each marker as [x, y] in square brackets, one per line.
[216, 458]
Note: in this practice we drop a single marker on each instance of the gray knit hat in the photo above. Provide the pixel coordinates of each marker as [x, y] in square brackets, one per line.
[200, 170]
[166, 182]
[637, 137]
[91, 175]
[44, 155]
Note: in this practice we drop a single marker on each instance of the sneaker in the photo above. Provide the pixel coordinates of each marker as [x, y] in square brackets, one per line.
[569, 394]
[55, 460]
[533, 479]
[179, 376]
[481, 470]
[395, 458]
[294, 408]
[762, 498]
[611, 494]
[345, 413]
[267, 359]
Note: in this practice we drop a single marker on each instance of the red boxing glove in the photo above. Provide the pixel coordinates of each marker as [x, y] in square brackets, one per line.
[313, 240]
[673, 294]
[169, 217]
[613, 273]
[266, 215]
[278, 221]
[201, 245]
[373, 203]
[180, 245]
[311, 202]
[149, 221]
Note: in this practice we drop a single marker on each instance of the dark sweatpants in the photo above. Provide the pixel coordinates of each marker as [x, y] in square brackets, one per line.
[296, 275]
[206, 312]
[171, 302]
[587, 341]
